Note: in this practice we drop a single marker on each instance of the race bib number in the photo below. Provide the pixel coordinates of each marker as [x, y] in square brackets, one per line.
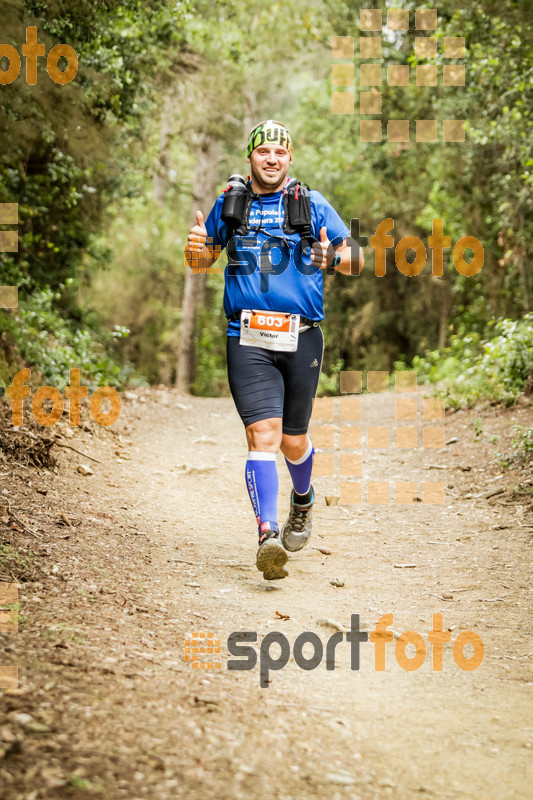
[272, 330]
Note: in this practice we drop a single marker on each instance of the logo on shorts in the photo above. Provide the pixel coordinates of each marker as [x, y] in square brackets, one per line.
[314, 363]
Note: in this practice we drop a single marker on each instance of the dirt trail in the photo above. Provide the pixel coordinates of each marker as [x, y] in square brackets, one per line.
[160, 543]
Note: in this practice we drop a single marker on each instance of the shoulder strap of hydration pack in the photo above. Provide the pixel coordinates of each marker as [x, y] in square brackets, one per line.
[297, 209]
[297, 213]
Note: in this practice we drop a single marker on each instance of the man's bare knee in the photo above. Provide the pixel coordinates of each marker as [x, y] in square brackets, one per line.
[264, 435]
[294, 447]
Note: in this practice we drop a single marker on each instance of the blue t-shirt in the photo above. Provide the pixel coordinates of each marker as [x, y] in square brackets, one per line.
[273, 274]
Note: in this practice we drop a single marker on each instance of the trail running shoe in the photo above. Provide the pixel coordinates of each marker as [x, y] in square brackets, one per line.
[271, 557]
[297, 530]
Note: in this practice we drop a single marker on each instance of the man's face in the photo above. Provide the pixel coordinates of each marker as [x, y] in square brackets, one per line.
[269, 166]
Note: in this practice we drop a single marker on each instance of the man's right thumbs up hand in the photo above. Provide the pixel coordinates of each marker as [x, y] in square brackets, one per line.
[197, 235]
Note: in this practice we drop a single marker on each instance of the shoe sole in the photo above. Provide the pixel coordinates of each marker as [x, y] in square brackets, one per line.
[271, 557]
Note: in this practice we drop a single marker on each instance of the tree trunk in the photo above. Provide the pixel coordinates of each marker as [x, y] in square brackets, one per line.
[523, 272]
[444, 296]
[204, 195]
[250, 111]
[160, 179]
[525, 282]
[443, 324]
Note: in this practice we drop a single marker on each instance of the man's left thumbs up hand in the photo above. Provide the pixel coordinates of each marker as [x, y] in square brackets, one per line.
[322, 252]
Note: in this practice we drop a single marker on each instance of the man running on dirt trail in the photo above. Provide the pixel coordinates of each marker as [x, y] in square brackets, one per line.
[274, 356]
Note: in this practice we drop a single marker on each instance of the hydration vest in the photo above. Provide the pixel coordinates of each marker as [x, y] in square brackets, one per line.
[237, 204]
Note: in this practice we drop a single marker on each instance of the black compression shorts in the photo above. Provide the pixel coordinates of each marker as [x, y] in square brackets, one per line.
[272, 383]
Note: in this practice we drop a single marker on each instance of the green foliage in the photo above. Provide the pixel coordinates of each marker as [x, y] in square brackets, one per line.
[52, 345]
[64, 155]
[79, 782]
[210, 343]
[523, 443]
[434, 366]
[64, 168]
[522, 451]
[142, 285]
[478, 427]
[474, 370]
[12, 561]
[328, 383]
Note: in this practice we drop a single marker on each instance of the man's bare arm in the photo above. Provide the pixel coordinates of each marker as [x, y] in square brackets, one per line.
[352, 259]
[323, 254]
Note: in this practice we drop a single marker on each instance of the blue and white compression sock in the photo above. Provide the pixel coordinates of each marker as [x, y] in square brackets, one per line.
[301, 469]
[262, 483]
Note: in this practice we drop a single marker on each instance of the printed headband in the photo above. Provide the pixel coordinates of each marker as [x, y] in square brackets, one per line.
[269, 131]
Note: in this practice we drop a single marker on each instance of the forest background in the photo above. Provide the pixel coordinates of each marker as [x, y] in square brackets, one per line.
[109, 170]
